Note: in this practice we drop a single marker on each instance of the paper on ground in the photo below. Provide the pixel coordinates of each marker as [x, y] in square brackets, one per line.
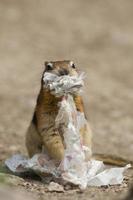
[98, 174]
[74, 167]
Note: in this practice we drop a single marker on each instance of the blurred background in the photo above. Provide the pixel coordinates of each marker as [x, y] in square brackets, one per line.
[97, 36]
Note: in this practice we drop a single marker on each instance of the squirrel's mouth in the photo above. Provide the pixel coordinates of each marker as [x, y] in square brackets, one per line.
[60, 85]
[63, 72]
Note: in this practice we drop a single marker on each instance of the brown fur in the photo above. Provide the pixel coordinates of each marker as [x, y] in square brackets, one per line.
[42, 133]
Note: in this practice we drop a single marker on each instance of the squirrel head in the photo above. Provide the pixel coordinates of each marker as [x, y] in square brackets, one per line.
[61, 68]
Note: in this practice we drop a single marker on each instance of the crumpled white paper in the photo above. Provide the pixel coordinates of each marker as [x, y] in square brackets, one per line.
[74, 167]
[61, 85]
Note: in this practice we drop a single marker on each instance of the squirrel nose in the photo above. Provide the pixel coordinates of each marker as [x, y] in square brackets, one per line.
[63, 72]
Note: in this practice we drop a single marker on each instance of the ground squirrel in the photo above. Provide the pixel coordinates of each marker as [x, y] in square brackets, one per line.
[42, 134]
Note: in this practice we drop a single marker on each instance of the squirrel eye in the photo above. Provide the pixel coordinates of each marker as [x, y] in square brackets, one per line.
[49, 66]
[73, 66]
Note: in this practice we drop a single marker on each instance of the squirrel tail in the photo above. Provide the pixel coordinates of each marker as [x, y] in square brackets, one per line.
[112, 160]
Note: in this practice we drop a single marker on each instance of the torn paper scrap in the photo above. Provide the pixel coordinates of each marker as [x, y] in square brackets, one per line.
[109, 176]
[39, 163]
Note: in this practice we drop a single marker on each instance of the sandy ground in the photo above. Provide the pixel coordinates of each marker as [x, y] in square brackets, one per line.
[98, 36]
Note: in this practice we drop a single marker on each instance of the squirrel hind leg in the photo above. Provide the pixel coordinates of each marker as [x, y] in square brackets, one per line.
[33, 141]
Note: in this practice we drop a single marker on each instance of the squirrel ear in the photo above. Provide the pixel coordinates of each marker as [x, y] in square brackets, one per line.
[45, 63]
[48, 66]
